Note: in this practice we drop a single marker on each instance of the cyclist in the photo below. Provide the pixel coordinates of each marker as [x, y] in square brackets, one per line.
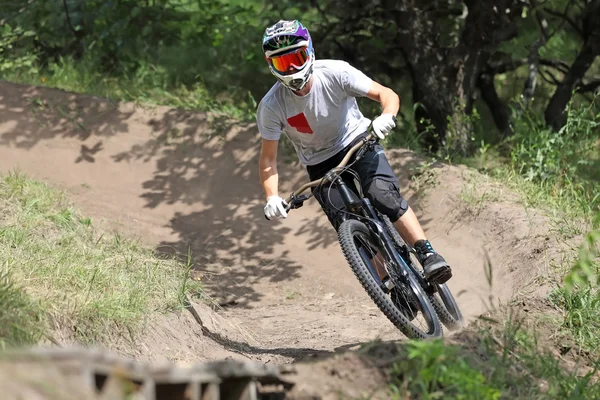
[314, 103]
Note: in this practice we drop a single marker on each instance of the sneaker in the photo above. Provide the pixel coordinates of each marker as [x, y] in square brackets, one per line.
[436, 269]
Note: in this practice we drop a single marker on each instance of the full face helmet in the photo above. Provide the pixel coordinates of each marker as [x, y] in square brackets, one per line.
[288, 49]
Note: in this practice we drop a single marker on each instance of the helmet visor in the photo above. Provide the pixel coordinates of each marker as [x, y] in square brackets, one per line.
[291, 62]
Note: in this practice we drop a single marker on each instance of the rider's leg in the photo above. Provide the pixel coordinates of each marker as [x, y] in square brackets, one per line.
[381, 186]
[409, 228]
[435, 266]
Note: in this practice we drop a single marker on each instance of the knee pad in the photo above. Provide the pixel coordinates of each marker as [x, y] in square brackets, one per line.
[386, 198]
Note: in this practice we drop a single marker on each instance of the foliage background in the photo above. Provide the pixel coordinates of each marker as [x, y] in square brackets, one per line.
[507, 86]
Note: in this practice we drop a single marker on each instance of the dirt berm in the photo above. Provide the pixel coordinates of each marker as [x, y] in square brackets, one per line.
[182, 180]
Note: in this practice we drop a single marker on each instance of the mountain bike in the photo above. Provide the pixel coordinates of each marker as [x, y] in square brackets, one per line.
[369, 240]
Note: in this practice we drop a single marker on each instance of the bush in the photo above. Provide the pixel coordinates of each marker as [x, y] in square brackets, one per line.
[168, 51]
[563, 162]
[579, 298]
[494, 363]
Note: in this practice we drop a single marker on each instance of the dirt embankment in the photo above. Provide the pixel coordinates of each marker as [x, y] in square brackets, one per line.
[184, 181]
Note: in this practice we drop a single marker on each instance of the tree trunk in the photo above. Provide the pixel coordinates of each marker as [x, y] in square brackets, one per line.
[500, 111]
[440, 90]
[445, 78]
[555, 110]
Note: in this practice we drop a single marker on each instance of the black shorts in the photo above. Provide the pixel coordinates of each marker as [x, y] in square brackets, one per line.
[377, 180]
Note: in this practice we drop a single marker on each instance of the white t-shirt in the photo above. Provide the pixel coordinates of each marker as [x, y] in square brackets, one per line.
[322, 122]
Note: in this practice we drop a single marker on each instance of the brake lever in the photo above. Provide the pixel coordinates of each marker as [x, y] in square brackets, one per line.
[297, 202]
[369, 143]
[361, 152]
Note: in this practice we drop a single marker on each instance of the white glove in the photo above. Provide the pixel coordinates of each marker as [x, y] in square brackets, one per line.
[383, 124]
[275, 207]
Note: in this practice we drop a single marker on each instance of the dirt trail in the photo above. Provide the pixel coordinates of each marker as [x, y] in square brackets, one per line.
[180, 181]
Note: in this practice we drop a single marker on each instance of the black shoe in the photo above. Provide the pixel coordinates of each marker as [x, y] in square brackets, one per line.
[436, 269]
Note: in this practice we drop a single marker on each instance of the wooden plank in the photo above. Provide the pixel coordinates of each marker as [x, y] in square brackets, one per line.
[211, 391]
[114, 376]
[239, 389]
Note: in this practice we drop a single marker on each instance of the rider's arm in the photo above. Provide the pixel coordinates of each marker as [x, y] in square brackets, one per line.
[270, 126]
[356, 83]
[267, 167]
[389, 100]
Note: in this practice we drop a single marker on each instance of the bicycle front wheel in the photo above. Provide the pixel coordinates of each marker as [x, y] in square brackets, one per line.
[413, 315]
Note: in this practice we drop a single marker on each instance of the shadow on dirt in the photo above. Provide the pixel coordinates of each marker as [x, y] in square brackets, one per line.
[293, 354]
[212, 166]
[205, 175]
[205, 169]
[51, 114]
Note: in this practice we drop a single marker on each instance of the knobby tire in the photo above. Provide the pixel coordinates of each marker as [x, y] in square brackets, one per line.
[444, 303]
[346, 233]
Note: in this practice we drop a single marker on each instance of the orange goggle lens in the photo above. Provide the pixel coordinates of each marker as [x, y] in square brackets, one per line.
[290, 62]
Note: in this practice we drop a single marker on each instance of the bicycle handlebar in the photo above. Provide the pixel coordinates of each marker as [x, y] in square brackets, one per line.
[295, 199]
[341, 165]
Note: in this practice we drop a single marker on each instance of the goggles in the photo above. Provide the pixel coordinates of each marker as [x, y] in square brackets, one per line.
[291, 62]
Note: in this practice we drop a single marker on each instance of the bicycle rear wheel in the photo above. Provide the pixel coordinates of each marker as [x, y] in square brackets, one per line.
[442, 299]
[361, 249]
[447, 308]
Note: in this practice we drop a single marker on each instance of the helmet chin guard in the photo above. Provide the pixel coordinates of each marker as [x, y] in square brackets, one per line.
[298, 80]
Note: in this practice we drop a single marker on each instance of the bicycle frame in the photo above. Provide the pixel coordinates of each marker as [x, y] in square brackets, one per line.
[369, 216]
[363, 210]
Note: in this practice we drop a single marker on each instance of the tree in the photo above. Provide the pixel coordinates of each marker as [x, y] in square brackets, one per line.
[443, 45]
[587, 24]
[446, 77]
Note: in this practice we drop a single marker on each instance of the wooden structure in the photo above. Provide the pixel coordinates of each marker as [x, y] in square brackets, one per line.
[109, 376]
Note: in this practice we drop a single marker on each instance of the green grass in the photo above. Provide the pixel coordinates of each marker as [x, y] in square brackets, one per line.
[579, 298]
[494, 363]
[569, 210]
[570, 200]
[478, 190]
[149, 85]
[569, 206]
[557, 172]
[571, 213]
[580, 318]
[69, 275]
[433, 370]
[21, 318]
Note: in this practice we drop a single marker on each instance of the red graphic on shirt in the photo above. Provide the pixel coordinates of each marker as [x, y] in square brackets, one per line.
[300, 123]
